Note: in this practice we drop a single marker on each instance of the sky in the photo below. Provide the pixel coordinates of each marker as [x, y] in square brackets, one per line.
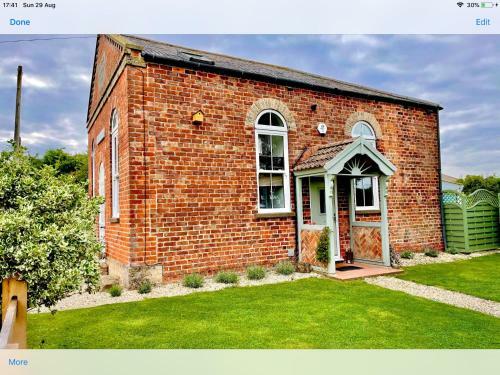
[461, 72]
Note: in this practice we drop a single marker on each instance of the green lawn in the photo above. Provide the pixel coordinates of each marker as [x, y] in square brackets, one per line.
[310, 313]
[478, 276]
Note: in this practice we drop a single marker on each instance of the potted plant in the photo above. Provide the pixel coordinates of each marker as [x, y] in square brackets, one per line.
[349, 256]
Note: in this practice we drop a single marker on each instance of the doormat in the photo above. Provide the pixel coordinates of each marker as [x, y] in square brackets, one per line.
[349, 268]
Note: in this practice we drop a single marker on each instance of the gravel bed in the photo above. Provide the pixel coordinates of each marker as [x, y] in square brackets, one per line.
[437, 294]
[421, 258]
[84, 300]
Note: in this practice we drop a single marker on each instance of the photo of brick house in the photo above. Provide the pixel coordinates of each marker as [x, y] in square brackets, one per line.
[209, 162]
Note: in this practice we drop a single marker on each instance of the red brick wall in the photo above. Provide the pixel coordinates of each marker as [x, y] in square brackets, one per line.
[118, 234]
[200, 184]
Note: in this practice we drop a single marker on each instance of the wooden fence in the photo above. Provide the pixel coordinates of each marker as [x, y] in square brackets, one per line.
[14, 314]
[471, 221]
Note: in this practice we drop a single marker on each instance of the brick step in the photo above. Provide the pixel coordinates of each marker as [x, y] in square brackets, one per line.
[107, 281]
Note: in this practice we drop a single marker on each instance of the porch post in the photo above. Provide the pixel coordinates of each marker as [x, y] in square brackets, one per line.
[329, 221]
[300, 215]
[384, 228]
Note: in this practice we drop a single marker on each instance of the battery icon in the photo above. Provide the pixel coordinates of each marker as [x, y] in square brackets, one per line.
[487, 4]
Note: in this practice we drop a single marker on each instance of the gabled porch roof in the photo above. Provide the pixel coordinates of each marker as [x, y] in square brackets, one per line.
[331, 158]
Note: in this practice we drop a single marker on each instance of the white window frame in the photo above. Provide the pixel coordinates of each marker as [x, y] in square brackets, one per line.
[372, 139]
[277, 131]
[376, 195]
[115, 166]
[92, 166]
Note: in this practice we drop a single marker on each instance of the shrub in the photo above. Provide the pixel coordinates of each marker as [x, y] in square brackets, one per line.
[452, 251]
[285, 268]
[256, 273]
[322, 250]
[226, 278]
[407, 255]
[115, 290]
[145, 287]
[47, 229]
[193, 280]
[432, 253]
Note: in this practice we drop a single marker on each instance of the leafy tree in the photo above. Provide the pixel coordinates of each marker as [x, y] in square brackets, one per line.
[47, 229]
[472, 183]
[64, 163]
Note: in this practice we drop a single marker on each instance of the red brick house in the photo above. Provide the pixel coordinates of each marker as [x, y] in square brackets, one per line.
[211, 162]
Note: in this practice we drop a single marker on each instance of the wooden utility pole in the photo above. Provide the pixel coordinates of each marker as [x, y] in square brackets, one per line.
[17, 125]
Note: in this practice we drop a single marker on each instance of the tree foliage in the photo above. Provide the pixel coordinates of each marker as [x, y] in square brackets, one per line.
[47, 229]
[75, 165]
[472, 183]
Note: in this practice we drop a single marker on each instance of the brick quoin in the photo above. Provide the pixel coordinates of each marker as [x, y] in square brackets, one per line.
[188, 193]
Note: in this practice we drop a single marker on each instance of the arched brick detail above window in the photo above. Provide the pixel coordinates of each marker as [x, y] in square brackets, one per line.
[269, 103]
[362, 116]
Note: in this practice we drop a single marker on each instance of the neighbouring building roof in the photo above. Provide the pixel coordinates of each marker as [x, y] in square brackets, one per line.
[318, 156]
[168, 53]
[450, 179]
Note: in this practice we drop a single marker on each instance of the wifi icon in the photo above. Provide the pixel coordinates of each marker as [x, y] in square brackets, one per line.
[460, 4]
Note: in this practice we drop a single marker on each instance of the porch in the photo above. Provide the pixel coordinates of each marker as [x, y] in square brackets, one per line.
[341, 195]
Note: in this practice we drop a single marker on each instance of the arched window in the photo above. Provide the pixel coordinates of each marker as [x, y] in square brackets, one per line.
[115, 167]
[272, 162]
[364, 129]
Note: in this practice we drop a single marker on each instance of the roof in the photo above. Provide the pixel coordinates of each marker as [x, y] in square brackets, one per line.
[450, 179]
[161, 52]
[319, 156]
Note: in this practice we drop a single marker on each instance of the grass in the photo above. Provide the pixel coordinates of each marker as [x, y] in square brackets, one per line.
[309, 313]
[477, 276]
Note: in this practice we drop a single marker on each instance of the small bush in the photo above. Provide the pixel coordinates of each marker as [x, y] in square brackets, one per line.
[432, 253]
[193, 281]
[115, 290]
[322, 250]
[145, 287]
[452, 251]
[226, 278]
[256, 273]
[407, 255]
[285, 268]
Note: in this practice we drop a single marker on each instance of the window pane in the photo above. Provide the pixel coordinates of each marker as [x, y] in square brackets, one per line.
[265, 190]
[322, 206]
[265, 161]
[275, 120]
[265, 119]
[278, 152]
[364, 192]
[277, 191]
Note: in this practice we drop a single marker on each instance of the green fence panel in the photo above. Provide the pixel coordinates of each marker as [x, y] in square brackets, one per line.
[472, 222]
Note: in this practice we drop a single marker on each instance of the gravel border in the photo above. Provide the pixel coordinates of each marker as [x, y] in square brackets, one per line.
[437, 294]
[421, 258]
[85, 300]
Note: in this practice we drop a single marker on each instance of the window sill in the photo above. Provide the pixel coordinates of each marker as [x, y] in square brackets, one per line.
[114, 220]
[368, 211]
[263, 215]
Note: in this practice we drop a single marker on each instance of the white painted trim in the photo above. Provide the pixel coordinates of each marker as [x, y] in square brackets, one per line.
[375, 190]
[283, 132]
[336, 221]
[115, 166]
[313, 227]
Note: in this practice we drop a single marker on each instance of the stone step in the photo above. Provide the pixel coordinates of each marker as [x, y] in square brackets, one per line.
[107, 281]
[104, 269]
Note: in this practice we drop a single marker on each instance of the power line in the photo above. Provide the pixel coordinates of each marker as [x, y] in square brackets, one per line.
[43, 39]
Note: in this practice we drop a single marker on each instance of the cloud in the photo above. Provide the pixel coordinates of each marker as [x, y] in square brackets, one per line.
[365, 40]
[37, 82]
